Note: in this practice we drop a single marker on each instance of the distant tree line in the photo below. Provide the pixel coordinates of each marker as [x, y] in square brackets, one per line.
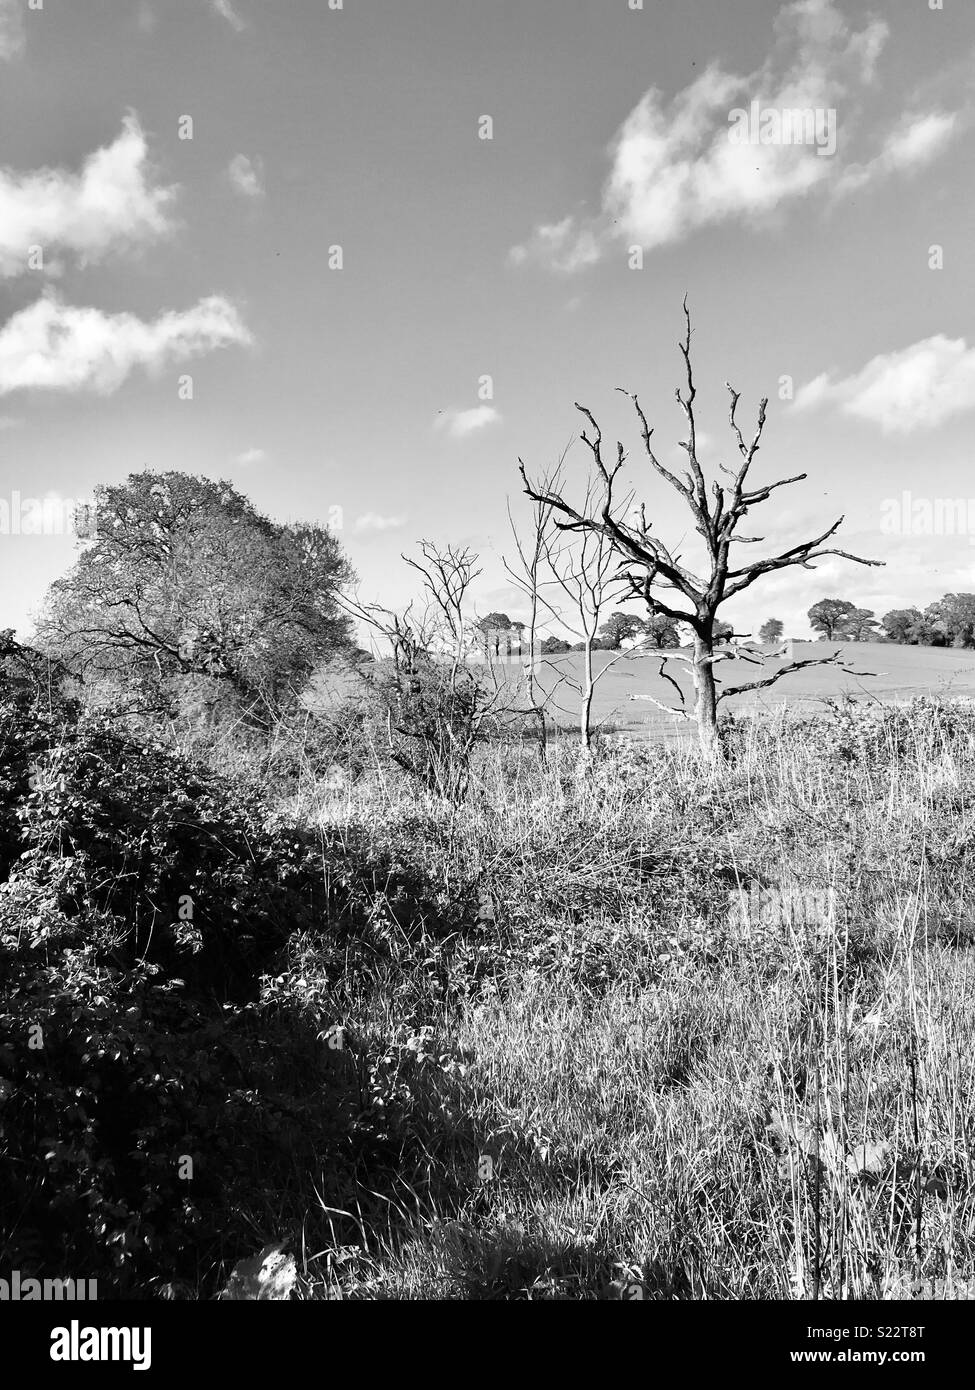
[948, 622]
[655, 633]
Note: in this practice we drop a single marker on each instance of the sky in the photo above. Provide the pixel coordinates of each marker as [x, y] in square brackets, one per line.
[360, 258]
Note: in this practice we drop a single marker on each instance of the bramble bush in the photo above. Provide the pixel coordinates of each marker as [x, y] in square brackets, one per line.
[142, 901]
[154, 1005]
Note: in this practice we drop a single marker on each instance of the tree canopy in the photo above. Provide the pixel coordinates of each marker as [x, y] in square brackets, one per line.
[829, 617]
[620, 628]
[184, 577]
[954, 617]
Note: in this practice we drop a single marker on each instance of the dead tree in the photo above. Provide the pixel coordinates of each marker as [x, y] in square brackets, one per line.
[655, 574]
[437, 704]
[447, 576]
[586, 572]
[527, 577]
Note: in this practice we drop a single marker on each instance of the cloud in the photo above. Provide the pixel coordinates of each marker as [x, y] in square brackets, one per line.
[110, 204]
[460, 423]
[743, 147]
[915, 142]
[920, 138]
[225, 10]
[12, 37]
[919, 387]
[565, 246]
[247, 176]
[250, 457]
[55, 347]
[371, 523]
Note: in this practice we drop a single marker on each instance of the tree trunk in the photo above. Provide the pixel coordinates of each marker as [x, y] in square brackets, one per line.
[542, 733]
[705, 695]
[585, 709]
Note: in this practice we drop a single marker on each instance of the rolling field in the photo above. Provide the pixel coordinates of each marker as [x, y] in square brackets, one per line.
[882, 671]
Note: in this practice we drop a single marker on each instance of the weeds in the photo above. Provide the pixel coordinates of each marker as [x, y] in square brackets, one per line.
[670, 1031]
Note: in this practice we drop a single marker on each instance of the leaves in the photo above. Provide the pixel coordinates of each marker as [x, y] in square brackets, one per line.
[268, 1276]
[868, 1158]
[796, 1137]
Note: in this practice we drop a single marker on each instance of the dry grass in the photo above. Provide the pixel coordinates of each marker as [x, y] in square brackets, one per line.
[715, 1031]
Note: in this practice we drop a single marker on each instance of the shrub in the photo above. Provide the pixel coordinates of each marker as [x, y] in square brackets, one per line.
[142, 901]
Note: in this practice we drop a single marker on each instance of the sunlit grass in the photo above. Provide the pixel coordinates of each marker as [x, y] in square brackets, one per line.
[677, 1099]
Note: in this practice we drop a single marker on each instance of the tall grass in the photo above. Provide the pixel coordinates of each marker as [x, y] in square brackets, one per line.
[676, 1031]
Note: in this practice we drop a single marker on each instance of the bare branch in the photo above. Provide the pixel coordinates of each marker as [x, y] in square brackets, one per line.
[787, 671]
[665, 675]
[799, 555]
[686, 403]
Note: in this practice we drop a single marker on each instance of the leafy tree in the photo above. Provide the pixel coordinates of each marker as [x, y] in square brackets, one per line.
[771, 630]
[903, 625]
[829, 617]
[498, 630]
[723, 632]
[911, 626]
[658, 573]
[661, 631]
[954, 617]
[861, 625]
[554, 646]
[620, 628]
[495, 622]
[185, 579]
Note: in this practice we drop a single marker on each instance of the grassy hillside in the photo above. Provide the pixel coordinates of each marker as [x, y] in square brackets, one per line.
[897, 673]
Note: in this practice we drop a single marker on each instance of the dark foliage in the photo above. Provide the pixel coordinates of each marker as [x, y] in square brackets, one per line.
[146, 910]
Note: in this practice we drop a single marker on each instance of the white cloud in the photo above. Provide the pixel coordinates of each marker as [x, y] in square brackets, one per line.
[53, 346]
[247, 176]
[372, 523]
[460, 423]
[11, 29]
[918, 387]
[676, 171]
[110, 204]
[915, 142]
[250, 457]
[565, 246]
[920, 138]
[225, 10]
[675, 166]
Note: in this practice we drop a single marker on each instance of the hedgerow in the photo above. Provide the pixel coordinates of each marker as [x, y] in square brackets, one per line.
[148, 1085]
